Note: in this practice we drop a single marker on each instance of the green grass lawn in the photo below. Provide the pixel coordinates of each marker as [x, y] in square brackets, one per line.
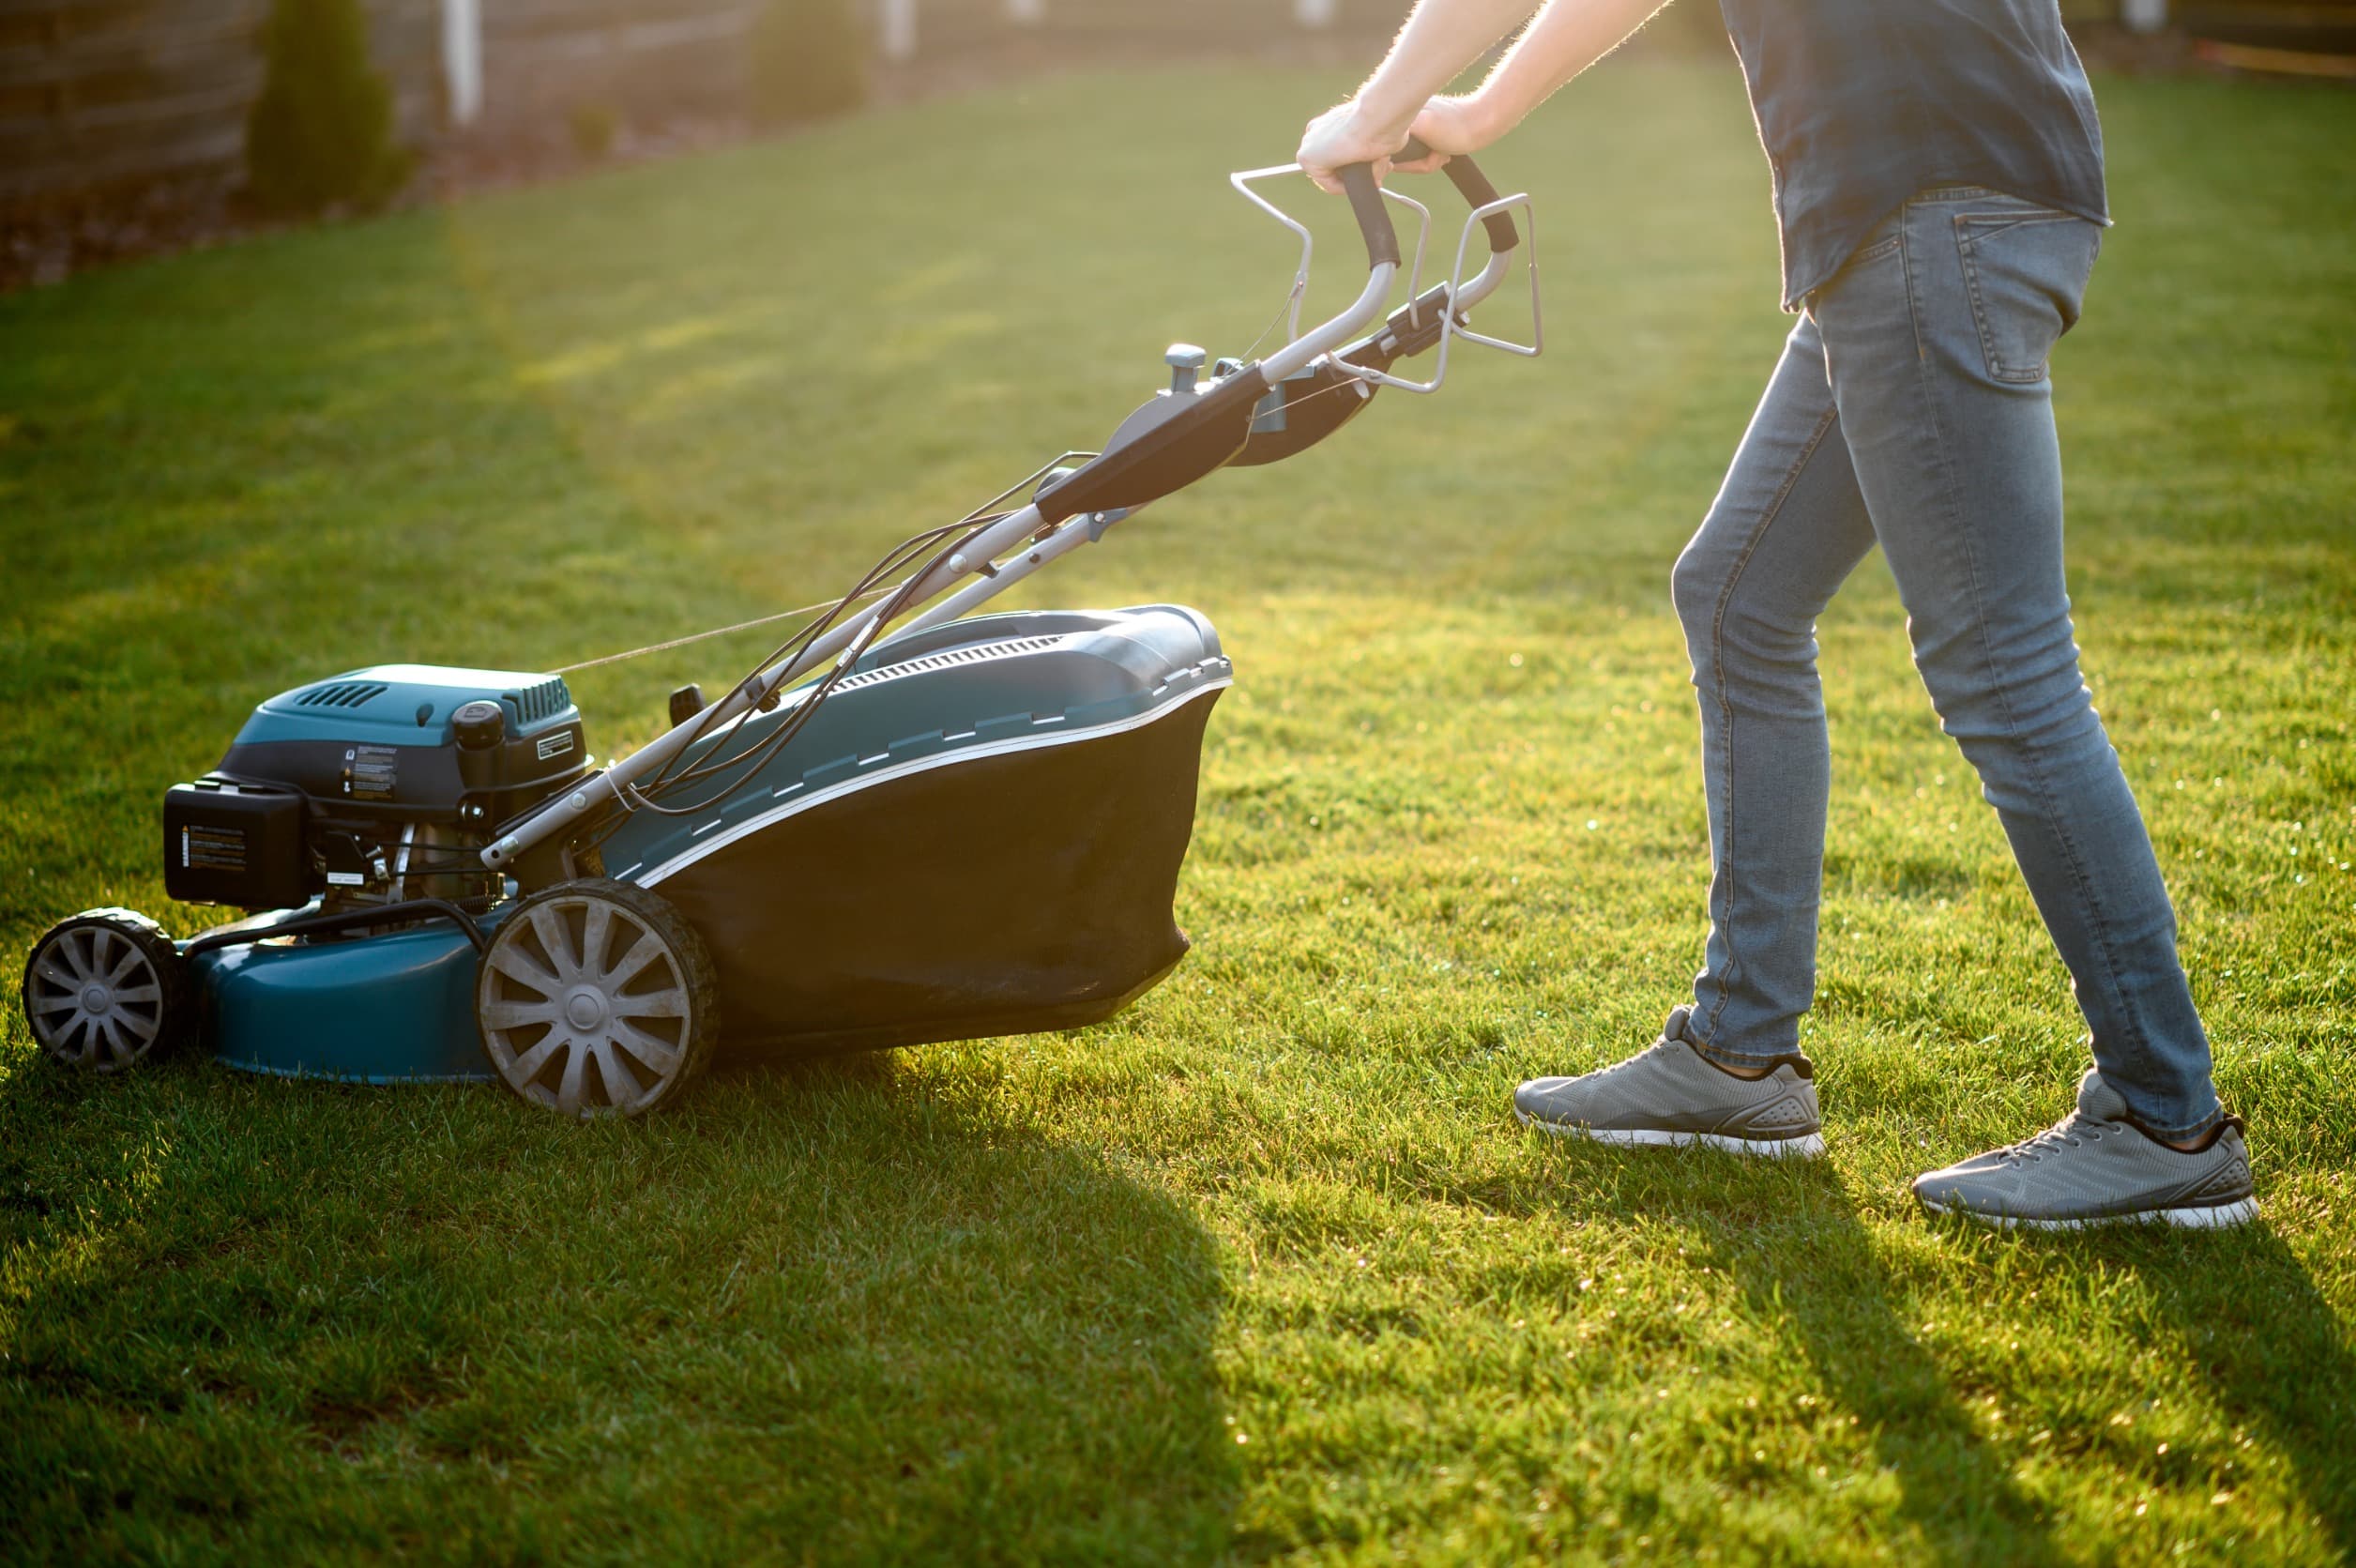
[1262, 1269]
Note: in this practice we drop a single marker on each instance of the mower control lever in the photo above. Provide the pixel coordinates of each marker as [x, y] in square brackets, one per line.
[1186, 364]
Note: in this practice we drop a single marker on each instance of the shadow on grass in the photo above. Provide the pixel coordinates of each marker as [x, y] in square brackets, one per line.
[2254, 1325]
[837, 1306]
[1795, 1244]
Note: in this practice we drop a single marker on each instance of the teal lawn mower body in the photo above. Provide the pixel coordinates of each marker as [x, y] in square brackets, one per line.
[396, 1008]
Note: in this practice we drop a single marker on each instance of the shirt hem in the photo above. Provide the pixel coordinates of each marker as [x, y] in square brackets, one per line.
[1796, 297]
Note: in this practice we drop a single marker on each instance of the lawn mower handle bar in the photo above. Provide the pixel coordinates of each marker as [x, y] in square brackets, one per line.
[1382, 249]
[1374, 218]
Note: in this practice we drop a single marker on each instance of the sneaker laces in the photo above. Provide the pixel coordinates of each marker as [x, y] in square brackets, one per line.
[1631, 1060]
[1624, 1062]
[2069, 1132]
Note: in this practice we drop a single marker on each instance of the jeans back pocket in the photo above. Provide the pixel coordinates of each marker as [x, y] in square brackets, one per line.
[2026, 270]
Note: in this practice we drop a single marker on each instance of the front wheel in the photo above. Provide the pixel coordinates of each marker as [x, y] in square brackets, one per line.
[598, 998]
[106, 990]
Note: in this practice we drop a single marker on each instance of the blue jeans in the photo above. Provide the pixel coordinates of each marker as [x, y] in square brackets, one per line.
[1911, 409]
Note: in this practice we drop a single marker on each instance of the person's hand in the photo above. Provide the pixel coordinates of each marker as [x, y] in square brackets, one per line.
[1450, 126]
[1341, 135]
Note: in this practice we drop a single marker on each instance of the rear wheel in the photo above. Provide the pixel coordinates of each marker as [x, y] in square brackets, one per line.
[106, 990]
[598, 998]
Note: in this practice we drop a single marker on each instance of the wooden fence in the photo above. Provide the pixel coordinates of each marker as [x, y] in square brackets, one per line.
[103, 92]
[96, 93]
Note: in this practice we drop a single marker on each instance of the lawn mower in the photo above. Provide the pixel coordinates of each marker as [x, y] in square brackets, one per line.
[908, 824]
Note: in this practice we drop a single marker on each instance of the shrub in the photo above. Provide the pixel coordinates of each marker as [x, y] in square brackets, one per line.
[809, 60]
[595, 128]
[322, 131]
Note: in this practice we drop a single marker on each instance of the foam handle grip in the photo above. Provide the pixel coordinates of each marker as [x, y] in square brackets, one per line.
[1373, 218]
[1473, 186]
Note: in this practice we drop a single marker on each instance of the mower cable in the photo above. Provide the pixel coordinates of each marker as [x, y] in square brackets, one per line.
[978, 514]
[893, 561]
[864, 589]
[1300, 285]
[633, 797]
[744, 763]
[700, 636]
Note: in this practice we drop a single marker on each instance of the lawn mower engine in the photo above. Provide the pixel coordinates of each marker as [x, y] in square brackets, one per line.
[372, 788]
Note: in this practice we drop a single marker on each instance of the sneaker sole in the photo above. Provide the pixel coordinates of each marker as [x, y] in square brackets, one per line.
[2223, 1217]
[1805, 1147]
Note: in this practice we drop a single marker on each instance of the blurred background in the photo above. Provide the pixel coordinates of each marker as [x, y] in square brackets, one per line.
[131, 126]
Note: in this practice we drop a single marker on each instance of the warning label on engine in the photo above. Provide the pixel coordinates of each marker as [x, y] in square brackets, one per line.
[212, 848]
[369, 771]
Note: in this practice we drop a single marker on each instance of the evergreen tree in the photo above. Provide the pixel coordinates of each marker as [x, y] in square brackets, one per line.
[322, 131]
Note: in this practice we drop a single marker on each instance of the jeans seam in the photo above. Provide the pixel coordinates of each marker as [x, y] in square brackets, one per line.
[1979, 315]
[1875, 251]
[2069, 852]
[1994, 223]
[1718, 662]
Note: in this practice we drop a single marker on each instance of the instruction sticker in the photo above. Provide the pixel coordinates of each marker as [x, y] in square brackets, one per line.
[370, 772]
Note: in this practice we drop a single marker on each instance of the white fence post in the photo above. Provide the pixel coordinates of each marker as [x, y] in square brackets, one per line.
[1314, 13]
[462, 58]
[2143, 16]
[898, 20]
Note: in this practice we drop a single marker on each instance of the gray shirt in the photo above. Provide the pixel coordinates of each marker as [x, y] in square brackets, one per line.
[1861, 103]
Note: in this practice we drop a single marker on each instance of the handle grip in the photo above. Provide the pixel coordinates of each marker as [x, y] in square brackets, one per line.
[1372, 214]
[1473, 186]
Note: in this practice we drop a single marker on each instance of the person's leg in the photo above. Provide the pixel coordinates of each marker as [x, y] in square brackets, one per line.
[1937, 350]
[1788, 527]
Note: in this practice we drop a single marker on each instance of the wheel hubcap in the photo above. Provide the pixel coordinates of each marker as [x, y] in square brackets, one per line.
[584, 1008]
[95, 998]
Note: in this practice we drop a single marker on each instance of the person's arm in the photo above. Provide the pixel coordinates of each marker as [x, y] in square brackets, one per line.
[1440, 38]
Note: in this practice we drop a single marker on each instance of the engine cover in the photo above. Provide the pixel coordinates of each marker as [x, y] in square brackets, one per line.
[328, 785]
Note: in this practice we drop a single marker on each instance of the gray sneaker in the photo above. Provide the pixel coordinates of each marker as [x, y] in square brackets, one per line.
[1671, 1093]
[2097, 1167]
